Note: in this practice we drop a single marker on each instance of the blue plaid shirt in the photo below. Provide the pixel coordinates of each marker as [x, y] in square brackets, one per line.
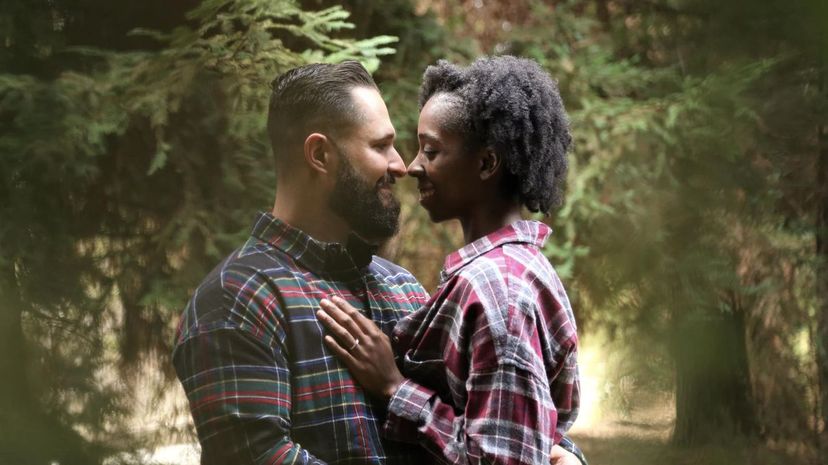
[263, 387]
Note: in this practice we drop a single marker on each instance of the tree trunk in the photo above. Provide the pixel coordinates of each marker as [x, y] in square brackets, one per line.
[713, 390]
[602, 11]
[14, 390]
[28, 434]
[822, 285]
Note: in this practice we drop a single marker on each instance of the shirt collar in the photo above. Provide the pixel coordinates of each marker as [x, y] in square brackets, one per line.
[317, 256]
[525, 231]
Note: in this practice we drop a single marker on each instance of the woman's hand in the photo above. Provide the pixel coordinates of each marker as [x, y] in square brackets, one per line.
[561, 456]
[365, 349]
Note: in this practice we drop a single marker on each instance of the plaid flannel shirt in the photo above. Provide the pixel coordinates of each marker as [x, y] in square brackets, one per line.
[262, 386]
[490, 362]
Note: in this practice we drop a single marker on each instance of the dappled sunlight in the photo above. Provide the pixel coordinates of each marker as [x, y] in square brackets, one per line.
[592, 366]
[618, 406]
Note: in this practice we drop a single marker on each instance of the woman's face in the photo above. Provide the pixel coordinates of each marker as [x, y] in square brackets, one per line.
[448, 176]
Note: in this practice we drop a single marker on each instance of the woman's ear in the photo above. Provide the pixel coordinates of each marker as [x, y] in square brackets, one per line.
[489, 163]
[316, 152]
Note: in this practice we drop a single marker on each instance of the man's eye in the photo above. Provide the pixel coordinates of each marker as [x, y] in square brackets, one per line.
[429, 153]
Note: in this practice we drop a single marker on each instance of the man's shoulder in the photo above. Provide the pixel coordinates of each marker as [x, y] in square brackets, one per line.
[391, 272]
[399, 281]
[241, 285]
[252, 264]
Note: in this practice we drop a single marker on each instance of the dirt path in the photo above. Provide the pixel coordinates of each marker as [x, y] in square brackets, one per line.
[643, 438]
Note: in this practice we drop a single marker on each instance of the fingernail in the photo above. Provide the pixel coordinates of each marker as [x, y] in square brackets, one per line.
[325, 302]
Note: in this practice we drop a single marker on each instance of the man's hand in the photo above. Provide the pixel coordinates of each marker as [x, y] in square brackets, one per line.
[561, 456]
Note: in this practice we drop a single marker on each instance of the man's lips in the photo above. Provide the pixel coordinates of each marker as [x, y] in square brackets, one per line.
[385, 185]
[386, 182]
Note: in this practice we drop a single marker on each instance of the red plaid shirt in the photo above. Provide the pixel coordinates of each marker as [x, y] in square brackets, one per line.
[490, 361]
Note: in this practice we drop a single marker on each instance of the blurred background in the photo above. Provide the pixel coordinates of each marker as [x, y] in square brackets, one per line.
[693, 240]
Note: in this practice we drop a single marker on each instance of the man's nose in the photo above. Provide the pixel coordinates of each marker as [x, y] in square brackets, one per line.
[396, 166]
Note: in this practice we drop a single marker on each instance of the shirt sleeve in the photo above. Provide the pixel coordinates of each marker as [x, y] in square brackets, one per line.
[569, 445]
[239, 391]
[507, 419]
[566, 391]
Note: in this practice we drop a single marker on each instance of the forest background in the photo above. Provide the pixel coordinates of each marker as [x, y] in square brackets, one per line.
[692, 241]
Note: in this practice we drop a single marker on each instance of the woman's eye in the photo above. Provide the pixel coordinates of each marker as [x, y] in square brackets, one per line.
[429, 153]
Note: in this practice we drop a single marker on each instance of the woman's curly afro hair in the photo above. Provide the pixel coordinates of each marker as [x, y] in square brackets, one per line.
[512, 106]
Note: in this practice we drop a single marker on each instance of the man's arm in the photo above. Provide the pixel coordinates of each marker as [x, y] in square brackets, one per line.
[238, 385]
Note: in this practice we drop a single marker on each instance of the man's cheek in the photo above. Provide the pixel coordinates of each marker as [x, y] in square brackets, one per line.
[387, 197]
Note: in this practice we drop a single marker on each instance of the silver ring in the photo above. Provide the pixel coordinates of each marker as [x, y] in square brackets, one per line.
[356, 343]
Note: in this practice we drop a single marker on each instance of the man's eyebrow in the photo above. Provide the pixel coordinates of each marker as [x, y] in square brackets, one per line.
[386, 137]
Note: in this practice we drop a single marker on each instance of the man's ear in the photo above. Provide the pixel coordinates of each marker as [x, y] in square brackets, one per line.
[489, 163]
[316, 151]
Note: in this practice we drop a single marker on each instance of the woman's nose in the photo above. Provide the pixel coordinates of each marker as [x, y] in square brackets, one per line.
[416, 169]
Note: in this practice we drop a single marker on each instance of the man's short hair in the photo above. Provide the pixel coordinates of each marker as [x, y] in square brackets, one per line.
[313, 98]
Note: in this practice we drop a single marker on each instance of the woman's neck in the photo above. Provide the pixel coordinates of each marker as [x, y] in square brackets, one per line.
[488, 218]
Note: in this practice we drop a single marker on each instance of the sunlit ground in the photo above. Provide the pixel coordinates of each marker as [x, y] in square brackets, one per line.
[639, 434]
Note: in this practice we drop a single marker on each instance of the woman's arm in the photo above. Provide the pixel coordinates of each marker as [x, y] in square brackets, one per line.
[508, 417]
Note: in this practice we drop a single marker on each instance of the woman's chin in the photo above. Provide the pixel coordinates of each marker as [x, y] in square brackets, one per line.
[435, 215]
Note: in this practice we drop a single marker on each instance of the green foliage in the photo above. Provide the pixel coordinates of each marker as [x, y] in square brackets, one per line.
[134, 154]
[128, 174]
[676, 179]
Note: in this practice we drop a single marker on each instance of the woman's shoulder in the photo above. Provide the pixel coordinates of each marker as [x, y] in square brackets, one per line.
[513, 265]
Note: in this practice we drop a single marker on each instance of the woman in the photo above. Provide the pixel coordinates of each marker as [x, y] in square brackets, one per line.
[487, 369]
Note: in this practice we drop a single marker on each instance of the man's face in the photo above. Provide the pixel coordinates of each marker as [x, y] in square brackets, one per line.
[369, 165]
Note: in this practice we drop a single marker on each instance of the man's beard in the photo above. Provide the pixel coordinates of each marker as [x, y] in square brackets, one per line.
[360, 205]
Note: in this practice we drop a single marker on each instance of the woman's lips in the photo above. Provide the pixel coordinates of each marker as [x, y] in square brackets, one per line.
[425, 193]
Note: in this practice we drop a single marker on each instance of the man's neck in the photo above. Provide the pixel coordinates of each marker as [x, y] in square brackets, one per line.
[314, 219]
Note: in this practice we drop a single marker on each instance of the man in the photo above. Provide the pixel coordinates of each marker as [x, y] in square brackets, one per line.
[262, 386]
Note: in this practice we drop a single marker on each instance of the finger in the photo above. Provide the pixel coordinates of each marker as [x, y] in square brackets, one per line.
[344, 316]
[339, 351]
[340, 332]
[364, 324]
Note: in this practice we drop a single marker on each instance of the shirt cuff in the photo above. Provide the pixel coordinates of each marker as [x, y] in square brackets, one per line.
[570, 446]
[406, 411]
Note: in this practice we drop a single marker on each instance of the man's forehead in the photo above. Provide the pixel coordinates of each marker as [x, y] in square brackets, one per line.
[380, 130]
[372, 119]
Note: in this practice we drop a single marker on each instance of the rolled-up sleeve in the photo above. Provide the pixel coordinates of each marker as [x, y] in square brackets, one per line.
[508, 419]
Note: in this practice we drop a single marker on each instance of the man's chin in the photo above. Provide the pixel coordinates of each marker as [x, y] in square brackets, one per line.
[388, 199]
[377, 235]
